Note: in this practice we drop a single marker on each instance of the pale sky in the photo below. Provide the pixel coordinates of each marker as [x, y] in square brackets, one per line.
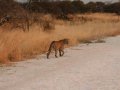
[100, 0]
[82, 0]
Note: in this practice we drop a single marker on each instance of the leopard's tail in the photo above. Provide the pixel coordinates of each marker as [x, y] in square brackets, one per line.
[51, 45]
[50, 48]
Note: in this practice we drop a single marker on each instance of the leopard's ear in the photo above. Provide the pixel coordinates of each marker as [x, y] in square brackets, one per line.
[66, 41]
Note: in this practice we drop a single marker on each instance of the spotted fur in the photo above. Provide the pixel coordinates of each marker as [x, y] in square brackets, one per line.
[57, 46]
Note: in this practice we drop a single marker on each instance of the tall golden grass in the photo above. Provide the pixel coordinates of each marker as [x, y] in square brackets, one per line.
[17, 45]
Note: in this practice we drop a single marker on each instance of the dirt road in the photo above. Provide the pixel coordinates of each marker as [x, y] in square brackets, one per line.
[84, 67]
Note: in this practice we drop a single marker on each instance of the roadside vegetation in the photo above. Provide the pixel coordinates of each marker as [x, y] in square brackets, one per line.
[26, 30]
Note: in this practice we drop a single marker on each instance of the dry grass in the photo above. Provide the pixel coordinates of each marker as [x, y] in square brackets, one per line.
[101, 17]
[18, 45]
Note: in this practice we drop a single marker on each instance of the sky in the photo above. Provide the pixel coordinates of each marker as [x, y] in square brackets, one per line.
[85, 1]
[100, 0]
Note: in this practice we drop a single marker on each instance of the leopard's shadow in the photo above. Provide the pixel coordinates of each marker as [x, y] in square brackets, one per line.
[76, 49]
[52, 56]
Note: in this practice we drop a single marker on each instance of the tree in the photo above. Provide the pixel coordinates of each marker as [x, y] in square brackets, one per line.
[100, 6]
[78, 6]
[91, 7]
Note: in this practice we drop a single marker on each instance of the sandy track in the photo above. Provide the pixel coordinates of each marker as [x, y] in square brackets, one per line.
[84, 67]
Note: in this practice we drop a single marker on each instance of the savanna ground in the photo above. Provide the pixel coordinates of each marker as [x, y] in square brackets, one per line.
[83, 67]
[16, 45]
